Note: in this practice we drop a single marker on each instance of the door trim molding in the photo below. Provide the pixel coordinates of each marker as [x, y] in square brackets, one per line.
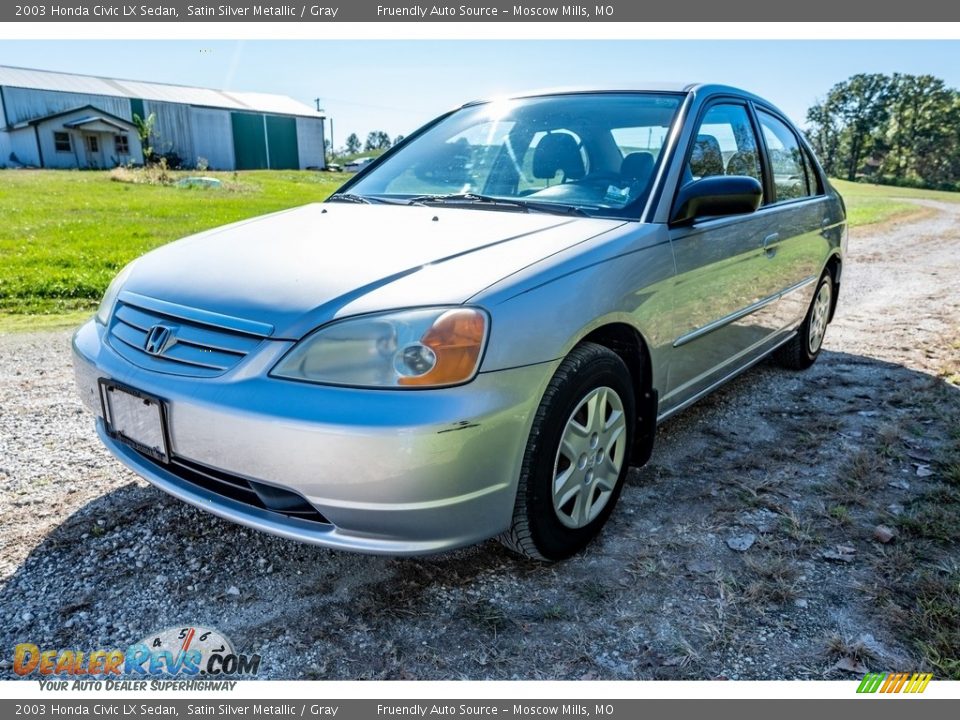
[741, 313]
[725, 379]
[724, 321]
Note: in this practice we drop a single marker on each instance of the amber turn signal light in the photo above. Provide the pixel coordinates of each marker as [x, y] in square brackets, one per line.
[456, 338]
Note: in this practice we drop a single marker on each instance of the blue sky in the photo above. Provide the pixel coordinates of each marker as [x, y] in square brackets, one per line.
[396, 86]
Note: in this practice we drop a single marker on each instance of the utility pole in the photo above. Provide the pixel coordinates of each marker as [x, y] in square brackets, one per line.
[332, 146]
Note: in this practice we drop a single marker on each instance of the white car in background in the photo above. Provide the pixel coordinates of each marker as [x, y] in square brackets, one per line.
[358, 164]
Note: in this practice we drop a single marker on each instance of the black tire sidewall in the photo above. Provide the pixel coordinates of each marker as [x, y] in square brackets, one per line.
[554, 540]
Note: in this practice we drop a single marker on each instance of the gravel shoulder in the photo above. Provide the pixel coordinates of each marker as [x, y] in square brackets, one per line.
[747, 548]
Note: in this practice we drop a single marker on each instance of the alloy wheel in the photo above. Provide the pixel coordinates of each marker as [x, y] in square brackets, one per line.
[591, 454]
[819, 317]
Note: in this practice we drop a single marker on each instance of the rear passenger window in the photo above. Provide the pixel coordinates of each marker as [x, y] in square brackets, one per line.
[813, 180]
[791, 177]
[725, 144]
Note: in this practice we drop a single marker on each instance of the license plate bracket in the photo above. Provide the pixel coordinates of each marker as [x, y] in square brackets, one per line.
[135, 418]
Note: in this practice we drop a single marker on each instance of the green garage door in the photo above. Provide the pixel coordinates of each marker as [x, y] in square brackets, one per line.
[249, 142]
[282, 141]
[136, 108]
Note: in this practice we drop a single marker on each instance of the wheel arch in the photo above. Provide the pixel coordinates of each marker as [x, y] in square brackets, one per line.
[629, 344]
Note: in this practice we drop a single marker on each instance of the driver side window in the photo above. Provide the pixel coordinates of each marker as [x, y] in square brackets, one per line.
[724, 144]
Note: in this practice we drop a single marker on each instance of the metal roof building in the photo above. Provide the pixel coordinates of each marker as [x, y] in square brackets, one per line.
[55, 119]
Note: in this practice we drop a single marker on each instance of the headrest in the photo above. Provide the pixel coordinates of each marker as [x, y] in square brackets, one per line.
[637, 166]
[558, 152]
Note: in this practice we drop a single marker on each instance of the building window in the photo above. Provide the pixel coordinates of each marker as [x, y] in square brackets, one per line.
[121, 144]
[61, 141]
[93, 144]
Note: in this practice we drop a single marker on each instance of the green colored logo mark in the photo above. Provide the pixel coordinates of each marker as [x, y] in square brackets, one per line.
[871, 682]
[894, 682]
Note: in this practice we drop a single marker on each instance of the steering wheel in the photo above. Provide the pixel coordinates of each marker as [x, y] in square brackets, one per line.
[602, 178]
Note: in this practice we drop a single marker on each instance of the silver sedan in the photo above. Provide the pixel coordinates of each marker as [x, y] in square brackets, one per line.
[479, 333]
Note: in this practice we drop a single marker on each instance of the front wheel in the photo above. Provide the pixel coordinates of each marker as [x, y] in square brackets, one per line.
[577, 456]
[802, 351]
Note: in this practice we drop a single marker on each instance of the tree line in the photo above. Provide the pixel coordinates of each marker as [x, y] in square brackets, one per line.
[376, 140]
[898, 129]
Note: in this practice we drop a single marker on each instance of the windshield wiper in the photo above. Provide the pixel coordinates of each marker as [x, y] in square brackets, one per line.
[351, 198]
[557, 208]
[465, 198]
[492, 201]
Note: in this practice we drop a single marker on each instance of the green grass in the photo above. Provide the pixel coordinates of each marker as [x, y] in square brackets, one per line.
[870, 204]
[66, 233]
[35, 323]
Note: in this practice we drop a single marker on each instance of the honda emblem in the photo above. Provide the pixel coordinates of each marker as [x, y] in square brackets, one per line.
[159, 338]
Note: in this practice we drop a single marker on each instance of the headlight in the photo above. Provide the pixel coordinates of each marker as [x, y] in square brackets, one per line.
[433, 347]
[110, 296]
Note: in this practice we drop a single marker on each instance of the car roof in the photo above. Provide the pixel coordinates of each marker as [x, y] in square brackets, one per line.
[658, 87]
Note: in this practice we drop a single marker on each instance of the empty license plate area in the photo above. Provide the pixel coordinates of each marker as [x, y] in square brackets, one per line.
[136, 419]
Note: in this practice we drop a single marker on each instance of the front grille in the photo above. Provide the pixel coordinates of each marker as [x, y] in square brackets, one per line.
[249, 492]
[195, 349]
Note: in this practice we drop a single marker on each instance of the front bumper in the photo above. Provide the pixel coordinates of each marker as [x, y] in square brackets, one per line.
[394, 472]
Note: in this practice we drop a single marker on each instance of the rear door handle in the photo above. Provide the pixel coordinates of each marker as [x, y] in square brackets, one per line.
[770, 244]
[824, 226]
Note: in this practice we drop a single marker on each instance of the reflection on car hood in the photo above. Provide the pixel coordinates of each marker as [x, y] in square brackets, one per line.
[297, 269]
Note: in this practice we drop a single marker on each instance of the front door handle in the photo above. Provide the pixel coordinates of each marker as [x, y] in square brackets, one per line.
[770, 244]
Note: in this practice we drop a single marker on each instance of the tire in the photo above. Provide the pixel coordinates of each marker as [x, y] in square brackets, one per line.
[802, 351]
[590, 405]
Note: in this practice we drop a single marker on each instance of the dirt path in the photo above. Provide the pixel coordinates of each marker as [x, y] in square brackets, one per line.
[798, 469]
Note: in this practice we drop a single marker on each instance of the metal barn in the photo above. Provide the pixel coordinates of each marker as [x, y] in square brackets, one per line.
[62, 120]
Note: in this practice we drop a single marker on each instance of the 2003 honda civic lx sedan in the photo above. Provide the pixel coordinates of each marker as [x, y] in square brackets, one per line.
[480, 332]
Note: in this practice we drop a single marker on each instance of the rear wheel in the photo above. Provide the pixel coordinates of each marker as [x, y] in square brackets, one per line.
[577, 456]
[802, 351]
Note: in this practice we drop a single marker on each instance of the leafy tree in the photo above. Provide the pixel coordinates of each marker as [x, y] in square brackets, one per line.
[922, 129]
[825, 134]
[862, 105]
[903, 129]
[353, 144]
[145, 128]
[377, 140]
[398, 139]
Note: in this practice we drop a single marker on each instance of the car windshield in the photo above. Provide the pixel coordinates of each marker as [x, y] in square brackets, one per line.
[589, 153]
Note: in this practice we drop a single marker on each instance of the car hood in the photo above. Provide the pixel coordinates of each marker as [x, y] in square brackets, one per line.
[296, 269]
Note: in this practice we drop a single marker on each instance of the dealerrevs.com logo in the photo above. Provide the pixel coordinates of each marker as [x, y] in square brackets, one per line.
[178, 652]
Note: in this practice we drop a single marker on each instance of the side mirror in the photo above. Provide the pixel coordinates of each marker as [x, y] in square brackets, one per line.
[715, 196]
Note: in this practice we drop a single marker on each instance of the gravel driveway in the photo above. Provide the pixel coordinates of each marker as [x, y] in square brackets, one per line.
[747, 548]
